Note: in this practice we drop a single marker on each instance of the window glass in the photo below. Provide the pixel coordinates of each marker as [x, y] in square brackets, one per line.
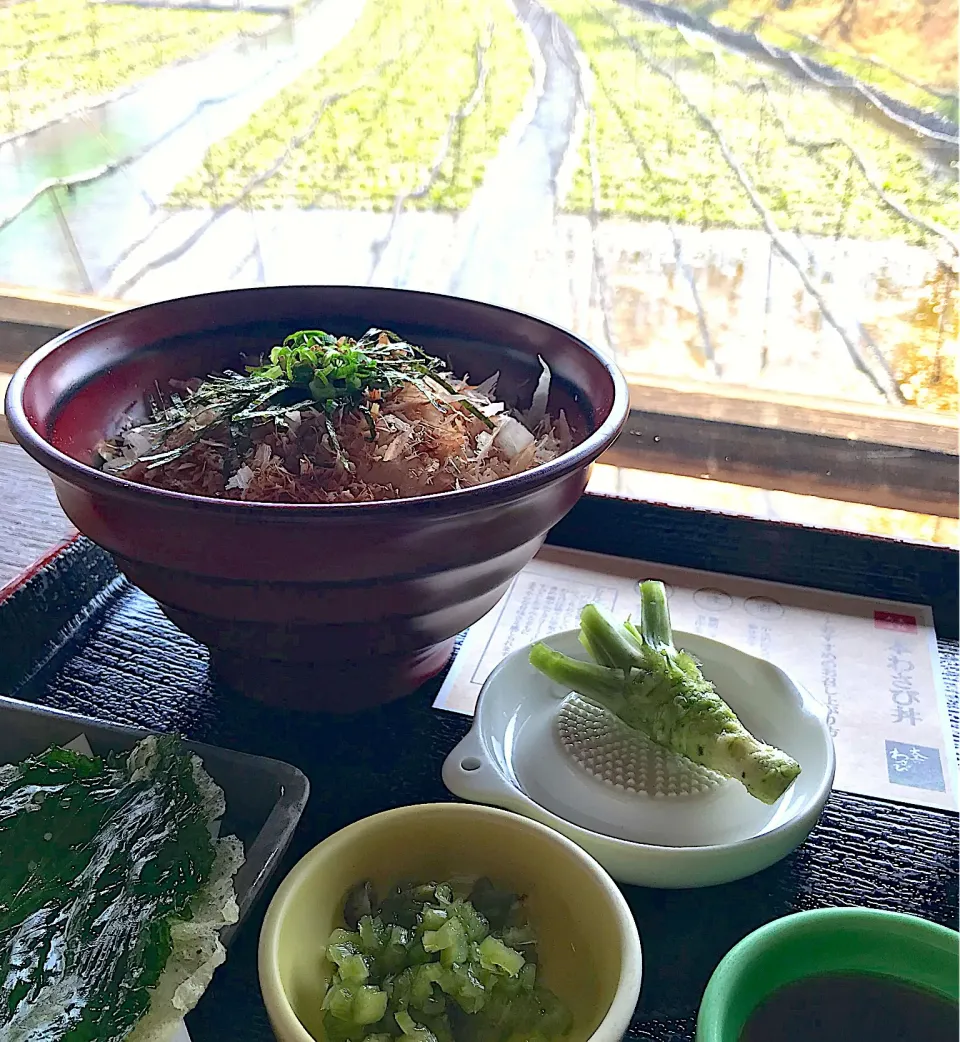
[753, 201]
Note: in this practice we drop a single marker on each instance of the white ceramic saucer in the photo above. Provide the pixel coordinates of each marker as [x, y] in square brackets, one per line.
[647, 816]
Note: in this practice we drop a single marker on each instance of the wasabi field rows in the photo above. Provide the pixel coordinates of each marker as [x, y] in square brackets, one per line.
[598, 162]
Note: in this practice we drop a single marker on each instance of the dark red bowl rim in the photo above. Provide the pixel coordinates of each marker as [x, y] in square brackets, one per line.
[64, 466]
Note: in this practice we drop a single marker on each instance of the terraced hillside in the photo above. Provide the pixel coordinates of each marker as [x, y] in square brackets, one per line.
[717, 190]
[909, 49]
[414, 103]
[694, 134]
[685, 131]
[58, 55]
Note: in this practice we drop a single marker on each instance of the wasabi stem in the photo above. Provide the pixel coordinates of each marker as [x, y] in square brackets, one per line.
[658, 689]
[655, 617]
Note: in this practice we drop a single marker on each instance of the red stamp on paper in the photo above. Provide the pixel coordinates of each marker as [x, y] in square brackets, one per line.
[891, 620]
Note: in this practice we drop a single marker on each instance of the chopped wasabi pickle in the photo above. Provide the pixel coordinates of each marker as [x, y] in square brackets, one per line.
[437, 962]
[112, 890]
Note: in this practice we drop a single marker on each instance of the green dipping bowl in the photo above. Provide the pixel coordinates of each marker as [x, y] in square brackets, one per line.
[910, 950]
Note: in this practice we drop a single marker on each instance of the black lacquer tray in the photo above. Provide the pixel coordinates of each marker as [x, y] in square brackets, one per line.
[75, 636]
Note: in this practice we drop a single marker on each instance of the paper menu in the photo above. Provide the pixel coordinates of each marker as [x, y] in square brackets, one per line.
[873, 663]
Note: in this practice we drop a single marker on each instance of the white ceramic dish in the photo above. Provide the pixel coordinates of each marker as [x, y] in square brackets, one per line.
[647, 816]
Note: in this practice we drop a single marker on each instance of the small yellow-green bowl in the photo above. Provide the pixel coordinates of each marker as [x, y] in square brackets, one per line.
[589, 946]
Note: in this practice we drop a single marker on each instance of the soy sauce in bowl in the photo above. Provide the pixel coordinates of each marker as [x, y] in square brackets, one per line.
[840, 1007]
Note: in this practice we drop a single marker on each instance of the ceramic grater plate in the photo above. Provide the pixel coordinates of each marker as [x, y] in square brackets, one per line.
[648, 816]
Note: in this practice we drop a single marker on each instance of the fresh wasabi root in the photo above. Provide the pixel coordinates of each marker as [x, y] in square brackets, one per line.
[655, 688]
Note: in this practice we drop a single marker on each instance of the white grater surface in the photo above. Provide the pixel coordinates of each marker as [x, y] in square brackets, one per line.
[586, 780]
[625, 759]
